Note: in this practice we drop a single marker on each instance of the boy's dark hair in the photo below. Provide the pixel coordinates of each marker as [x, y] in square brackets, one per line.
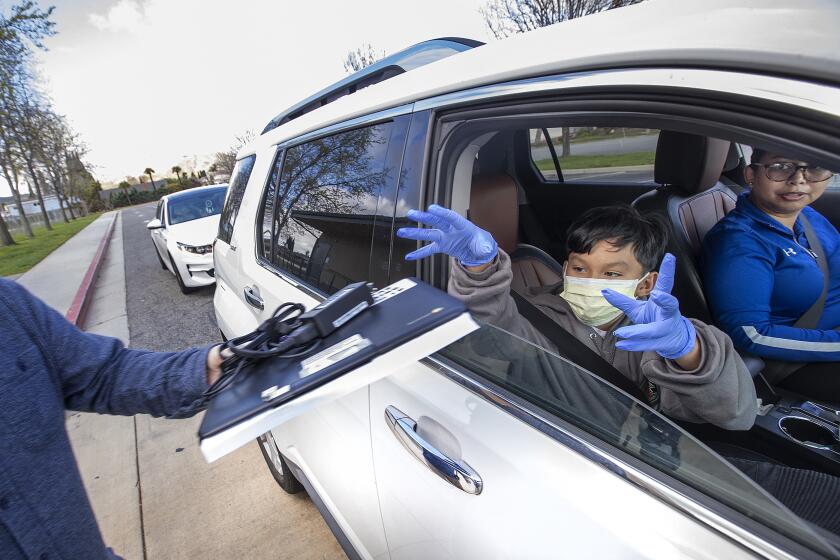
[621, 225]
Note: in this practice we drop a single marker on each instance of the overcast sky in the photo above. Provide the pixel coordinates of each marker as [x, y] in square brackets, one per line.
[148, 82]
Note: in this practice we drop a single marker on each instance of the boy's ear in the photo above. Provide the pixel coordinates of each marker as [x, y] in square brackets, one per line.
[646, 286]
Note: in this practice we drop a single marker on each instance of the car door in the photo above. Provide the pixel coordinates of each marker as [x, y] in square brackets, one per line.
[314, 230]
[568, 465]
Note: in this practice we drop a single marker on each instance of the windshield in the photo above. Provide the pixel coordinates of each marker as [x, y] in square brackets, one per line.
[196, 205]
[578, 397]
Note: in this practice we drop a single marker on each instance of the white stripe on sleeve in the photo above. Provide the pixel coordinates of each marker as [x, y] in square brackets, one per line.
[789, 343]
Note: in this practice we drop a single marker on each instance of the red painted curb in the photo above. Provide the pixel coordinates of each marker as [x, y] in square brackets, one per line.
[78, 309]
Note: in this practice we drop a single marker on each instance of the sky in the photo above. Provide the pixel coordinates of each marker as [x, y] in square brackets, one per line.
[155, 83]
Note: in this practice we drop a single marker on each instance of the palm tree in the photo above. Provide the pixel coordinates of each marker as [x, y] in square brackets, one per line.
[148, 171]
[177, 171]
[124, 185]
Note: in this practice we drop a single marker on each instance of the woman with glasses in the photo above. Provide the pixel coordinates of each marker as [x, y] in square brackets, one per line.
[772, 275]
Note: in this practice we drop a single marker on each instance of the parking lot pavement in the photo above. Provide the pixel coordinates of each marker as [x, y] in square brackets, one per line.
[154, 495]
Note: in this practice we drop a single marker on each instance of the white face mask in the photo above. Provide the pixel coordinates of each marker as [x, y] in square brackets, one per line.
[588, 304]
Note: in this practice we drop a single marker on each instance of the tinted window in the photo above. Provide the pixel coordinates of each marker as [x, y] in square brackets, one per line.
[595, 154]
[325, 206]
[238, 182]
[196, 205]
[574, 395]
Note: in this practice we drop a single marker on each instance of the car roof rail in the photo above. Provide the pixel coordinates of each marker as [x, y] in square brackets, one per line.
[390, 66]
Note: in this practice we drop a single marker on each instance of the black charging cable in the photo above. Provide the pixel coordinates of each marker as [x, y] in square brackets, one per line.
[290, 332]
[283, 335]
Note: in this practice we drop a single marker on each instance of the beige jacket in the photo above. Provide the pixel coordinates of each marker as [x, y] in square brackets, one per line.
[719, 391]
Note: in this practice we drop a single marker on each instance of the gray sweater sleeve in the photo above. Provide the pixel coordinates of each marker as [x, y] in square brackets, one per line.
[720, 391]
[487, 296]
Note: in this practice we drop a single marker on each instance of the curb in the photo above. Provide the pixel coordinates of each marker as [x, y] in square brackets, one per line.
[81, 302]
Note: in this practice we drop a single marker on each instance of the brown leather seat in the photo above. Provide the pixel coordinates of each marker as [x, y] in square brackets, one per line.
[692, 200]
[494, 207]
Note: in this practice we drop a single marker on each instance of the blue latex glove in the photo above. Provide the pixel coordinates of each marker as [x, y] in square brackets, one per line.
[658, 325]
[452, 234]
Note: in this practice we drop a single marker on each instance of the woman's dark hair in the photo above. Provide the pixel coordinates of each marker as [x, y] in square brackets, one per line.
[620, 225]
[758, 154]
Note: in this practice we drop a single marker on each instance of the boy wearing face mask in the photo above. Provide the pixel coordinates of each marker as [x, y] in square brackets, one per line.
[612, 299]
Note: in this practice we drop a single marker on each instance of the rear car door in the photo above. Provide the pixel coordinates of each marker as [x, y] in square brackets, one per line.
[315, 227]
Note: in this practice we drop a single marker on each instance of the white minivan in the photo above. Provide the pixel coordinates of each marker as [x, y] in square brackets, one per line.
[632, 105]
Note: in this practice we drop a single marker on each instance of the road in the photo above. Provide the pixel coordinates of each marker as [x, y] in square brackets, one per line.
[232, 508]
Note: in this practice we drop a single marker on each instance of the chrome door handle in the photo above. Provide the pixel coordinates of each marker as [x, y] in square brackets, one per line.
[457, 473]
[252, 298]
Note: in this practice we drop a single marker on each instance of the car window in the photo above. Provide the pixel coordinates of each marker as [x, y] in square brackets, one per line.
[583, 400]
[594, 154]
[325, 202]
[196, 205]
[238, 182]
[158, 214]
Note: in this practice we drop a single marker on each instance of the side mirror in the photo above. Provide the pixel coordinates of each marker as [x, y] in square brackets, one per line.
[154, 224]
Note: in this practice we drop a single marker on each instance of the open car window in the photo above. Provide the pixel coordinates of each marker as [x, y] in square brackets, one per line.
[588, 403]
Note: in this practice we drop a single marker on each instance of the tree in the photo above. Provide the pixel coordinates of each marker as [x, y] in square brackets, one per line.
[124, 185]
[362, 57]
[20, 31]
[5, 236]
[509, 17]
[148, 171]
[177, 171]
[225, 161]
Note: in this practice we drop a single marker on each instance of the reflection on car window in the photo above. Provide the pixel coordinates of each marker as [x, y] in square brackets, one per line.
[238, 182]
[325, 206]
[574, 395]
[196, 205]
[595, 154]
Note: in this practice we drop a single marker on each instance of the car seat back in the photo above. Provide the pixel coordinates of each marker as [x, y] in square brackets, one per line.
[494, 207]
[692, 200]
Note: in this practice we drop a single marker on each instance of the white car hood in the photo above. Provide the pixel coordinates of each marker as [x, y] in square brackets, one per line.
[195, 232]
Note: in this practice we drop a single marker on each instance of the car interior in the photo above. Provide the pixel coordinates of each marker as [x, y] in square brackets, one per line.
[694, 182]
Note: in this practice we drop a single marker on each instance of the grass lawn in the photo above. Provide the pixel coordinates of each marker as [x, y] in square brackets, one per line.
[16, 259]
[600, 160]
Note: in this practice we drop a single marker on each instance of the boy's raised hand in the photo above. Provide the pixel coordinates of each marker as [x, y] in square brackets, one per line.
[452, 234]
[658, 324]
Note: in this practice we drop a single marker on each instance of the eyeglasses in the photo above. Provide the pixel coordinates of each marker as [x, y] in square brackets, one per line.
[783, 171]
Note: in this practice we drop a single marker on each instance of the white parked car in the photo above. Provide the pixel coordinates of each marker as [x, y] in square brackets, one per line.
[522, 136]
[183, 231]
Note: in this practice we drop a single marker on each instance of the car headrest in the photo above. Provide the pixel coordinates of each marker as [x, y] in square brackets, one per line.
[733, 158]
[494, 207]
[689, 162]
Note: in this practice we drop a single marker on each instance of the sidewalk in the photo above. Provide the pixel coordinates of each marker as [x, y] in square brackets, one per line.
[57, 278]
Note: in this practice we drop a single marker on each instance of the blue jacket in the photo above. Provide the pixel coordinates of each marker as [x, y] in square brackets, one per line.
[760, 278]
[47, 366]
